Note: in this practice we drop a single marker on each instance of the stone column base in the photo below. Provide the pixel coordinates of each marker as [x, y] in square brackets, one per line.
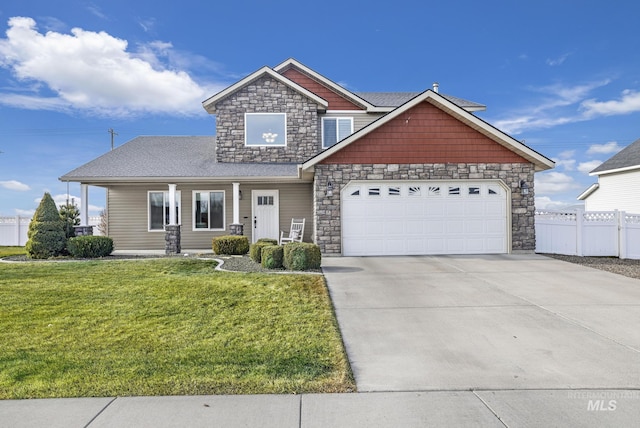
[236, 229]
[83, 230]
[172, 240]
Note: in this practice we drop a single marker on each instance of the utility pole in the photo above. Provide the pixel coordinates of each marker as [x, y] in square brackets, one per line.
[113, 133]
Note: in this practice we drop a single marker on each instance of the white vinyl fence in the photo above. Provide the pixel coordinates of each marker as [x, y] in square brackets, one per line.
[588, 233]
[13, 230]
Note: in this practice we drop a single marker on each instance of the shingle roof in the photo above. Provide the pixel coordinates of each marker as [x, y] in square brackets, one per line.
[396, 99]
[172, 156]
[626, 158]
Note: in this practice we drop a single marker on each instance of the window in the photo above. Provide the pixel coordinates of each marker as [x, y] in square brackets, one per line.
[265, 200]
[159, 210]
[374, 191]
[454, 190]
[394, 191]
[473, 190]
[265, 129]
[433, 191]
[208, 210]
[335, 129]
[414, 191]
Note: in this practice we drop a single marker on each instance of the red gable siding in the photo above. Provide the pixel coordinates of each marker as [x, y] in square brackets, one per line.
[336, 102]
[424, 134]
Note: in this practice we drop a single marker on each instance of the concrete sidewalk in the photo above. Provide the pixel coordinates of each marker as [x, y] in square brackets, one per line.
[526, 408]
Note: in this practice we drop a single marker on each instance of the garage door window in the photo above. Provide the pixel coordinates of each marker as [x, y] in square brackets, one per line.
[374, 191]
[434, 191]
[394, 191]
[474, 190]
[454, 190]
[414, 191]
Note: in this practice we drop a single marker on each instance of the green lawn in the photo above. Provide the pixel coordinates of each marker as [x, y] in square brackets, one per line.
[12, 251]
[164, 327]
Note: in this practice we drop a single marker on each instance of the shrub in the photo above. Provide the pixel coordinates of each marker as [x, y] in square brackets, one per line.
[272, 256]
[255, 251]
[231, 245]
[301, 256]
[46, 231]
[88, 247]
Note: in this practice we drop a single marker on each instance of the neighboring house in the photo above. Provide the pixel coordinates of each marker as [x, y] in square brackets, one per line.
[618, 183]
[373, 173]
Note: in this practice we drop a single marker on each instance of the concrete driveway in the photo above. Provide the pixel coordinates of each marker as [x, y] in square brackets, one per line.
[500, 323]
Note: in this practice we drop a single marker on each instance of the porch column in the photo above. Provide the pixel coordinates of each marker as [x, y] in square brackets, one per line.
[172, 237]
[236, 203]
[84, 229]
[84, 202]
[172, 205]
[236, 228]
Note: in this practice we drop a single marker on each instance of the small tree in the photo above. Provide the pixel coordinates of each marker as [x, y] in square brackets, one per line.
[46, 231]
[102, 226]
[70, 214]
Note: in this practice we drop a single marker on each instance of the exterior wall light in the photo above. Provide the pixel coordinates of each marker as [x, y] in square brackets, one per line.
[329, 188]
[524, 188]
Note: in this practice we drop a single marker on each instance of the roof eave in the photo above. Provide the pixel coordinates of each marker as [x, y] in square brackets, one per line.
[149, 180]
[615, 170]
[329, 83]
[584, 195]
[541, 162]
[210, 103]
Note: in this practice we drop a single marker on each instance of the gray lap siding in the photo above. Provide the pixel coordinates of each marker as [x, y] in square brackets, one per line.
[128, 213]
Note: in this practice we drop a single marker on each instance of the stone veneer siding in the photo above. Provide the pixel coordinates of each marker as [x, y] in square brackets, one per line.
[267, 95]
[328, 223]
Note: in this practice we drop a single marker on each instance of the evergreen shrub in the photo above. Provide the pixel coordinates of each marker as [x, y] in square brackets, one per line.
[88, 247]
[230, 245]
[301, 256]
[46, 232]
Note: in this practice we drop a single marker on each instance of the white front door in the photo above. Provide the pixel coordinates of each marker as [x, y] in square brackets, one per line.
[266, 214]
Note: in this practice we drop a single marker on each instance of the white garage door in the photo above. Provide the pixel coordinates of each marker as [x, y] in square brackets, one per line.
[424, 217]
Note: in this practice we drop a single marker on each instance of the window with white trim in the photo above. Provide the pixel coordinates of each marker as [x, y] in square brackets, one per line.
[335, 129]
[158, 210]
[265, 129]
[208, 210]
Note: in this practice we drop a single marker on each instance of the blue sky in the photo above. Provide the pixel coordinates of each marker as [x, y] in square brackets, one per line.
[564, 76]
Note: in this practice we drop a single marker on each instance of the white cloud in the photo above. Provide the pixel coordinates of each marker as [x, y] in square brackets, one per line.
[546, 203]
[96, 73]
[14, 185]
[554, 182]
[61, 199]
[567, 154]
[567, 164]
[565, 160]
[25, 213]
[557, 61]
[587, 167]
[629, 102]
[606, 148]
[554, 109]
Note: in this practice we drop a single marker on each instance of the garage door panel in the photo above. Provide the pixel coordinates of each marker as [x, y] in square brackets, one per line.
[437, 217]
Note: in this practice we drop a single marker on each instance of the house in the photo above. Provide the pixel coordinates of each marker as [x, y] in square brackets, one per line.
[618, 183]
[373, 173]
